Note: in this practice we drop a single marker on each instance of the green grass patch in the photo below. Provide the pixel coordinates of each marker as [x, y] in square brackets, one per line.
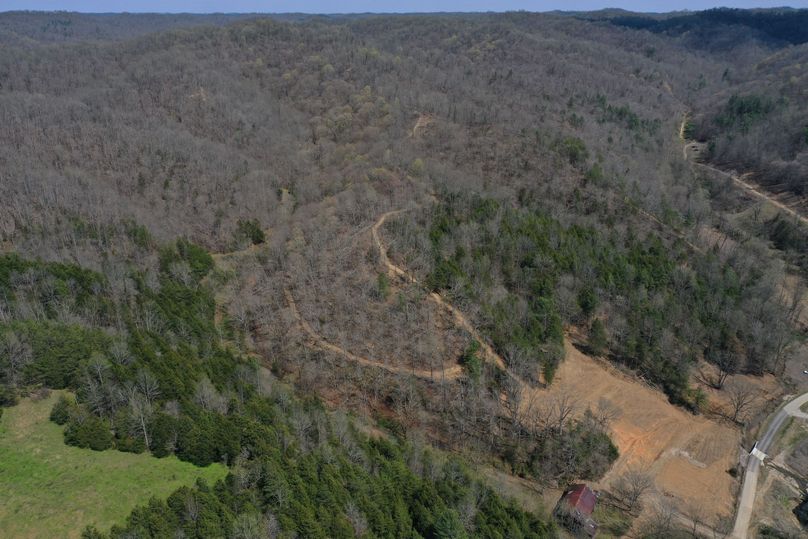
[50, 489]
[612, 521]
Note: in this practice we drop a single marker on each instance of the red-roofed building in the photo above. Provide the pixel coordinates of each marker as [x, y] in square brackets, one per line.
[574, 510]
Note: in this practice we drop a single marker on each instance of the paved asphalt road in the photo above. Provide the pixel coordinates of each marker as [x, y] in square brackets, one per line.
[749, 489]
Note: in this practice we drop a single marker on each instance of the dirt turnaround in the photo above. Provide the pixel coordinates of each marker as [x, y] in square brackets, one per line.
[688, 456]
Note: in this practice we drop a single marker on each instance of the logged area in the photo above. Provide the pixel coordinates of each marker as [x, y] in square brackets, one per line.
[688, 457]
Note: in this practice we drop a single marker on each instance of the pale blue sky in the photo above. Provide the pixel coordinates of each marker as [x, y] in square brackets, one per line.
[385, 6]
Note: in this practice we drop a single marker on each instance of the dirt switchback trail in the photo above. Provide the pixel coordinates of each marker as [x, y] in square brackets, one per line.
[449, 373]
[688, 457]
[459, 318]
[317, 340]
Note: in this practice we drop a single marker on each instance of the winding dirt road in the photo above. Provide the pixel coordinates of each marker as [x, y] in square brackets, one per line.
[757, 193]
[737, 180]
[448, 373]
[317, 340]
[458, 317]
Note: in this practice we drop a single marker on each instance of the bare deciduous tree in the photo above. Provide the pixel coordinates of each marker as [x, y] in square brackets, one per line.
[141, 411]
[119, 352]
[147, 385]
[741, 397]
[631, 486]
[695, 513]
[605, 413]
[727, 363]
[18, 355]
[562, 407]
[357, 519]
[208, 397]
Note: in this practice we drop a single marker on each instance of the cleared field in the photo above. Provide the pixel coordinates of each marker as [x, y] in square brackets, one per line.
[50, 489]
[688, 456]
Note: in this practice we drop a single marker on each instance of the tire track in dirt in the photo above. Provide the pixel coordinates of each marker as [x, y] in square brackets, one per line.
[319, 341]
[740, 181]
[458, 317]
[449, 373]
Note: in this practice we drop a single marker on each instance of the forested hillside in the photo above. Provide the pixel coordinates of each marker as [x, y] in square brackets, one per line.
[725, 25]
[29, 27]
[758, 124]
[755, 118]
[343, 256]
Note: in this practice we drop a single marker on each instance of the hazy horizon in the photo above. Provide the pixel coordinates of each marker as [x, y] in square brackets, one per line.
[369, 6]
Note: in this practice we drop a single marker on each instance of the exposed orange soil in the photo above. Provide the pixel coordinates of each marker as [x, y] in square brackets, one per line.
[687, 455]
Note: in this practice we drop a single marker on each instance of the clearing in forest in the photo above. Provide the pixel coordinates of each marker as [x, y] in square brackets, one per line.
[50, 489]
[688, 456]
